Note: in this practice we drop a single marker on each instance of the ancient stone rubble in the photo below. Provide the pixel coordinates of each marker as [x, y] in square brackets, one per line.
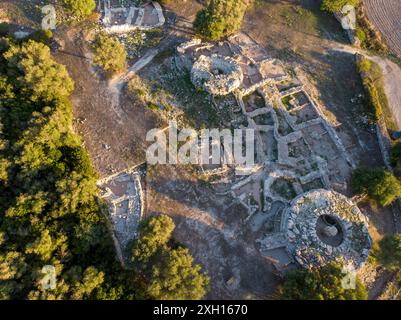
[216, 74]
[123, 195]
[297, 151]
[122, 19]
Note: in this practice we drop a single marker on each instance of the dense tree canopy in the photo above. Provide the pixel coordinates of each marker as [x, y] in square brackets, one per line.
[48, 209]
[36, 73]
[324, 283]
[80, 8]
[220, 18]
[379, 185]
[50, 214]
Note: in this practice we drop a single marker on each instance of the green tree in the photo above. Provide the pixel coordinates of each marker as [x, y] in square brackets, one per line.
[80, 8]
[154, 233]
[4, 29]
[320, 284]
[36, 73]
[167, 273]
[395, 158]
[388, 252]
[220, 18]
[379, 184]
[45, 245]
[336, 5]
[84, 283]
[176, 278]
[109, 53]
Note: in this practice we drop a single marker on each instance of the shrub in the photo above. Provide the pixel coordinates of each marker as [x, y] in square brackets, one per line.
[153, 106]
[395, 158]
[379, 185]
[320, 284]
[80, 8]
[43, 36]
[136, 89]
[336, 5]
[220, 18]
[361, 35]
[4, 29]
[109, 54]
[364, 65]
[388, 253]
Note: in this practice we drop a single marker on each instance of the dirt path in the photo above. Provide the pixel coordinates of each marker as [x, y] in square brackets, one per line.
[391, 76]
[112, 128]
[380, 284]
[141, 63]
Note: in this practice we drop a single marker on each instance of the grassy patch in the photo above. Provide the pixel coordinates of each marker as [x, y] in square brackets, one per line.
[376, 104]
[286, 102]
[197, 107]
[283, 188]
[370, 39]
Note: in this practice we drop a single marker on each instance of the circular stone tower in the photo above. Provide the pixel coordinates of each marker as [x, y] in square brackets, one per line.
[216, 74]
[324, 226]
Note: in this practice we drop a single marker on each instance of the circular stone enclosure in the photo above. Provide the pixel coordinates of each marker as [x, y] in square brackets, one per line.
[329, 230]
[324, 226]
[217, 74]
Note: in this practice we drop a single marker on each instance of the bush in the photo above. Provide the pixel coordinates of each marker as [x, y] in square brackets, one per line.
[388, 253]
[220, 18]
[395, 159]
[361, 35]
[4, 29]
[336, 5]
[136, 89]
[320, 284]
[364, 65]
[43, 36]
[80, 8]
[109, 54]
[380, 185]
[153, 106]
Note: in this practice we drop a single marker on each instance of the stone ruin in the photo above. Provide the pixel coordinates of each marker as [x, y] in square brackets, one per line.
[237, 65]
[124, 198]
[324, 226]
[299, 156]
[217, 74]
[118, 18]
